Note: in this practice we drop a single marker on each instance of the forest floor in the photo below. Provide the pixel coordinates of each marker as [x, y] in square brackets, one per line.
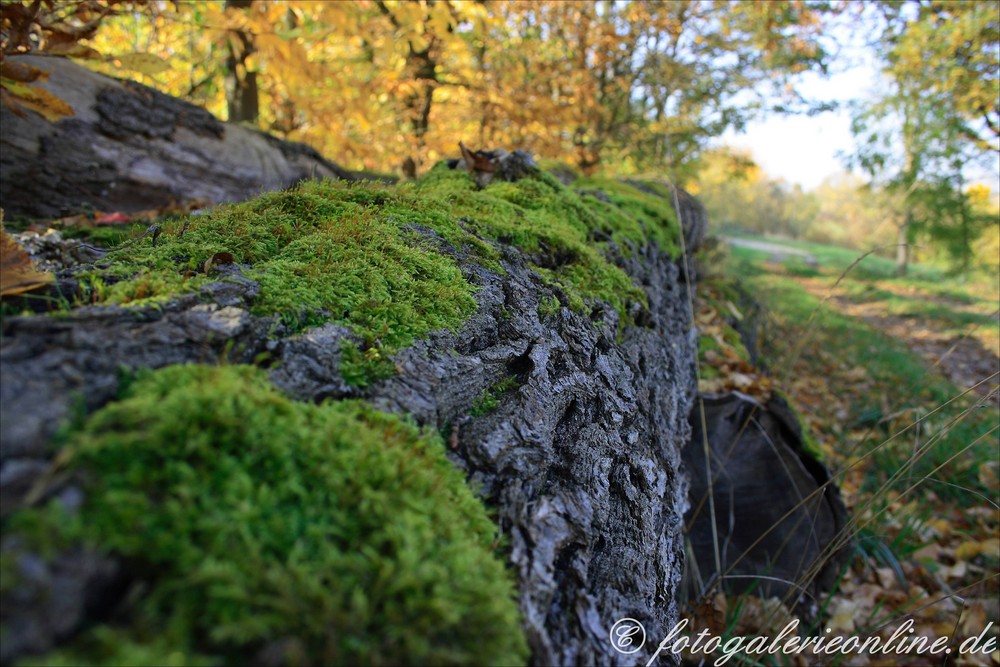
[966, 359]
[897, 381]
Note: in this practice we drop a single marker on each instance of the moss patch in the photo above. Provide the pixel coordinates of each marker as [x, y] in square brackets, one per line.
[326, 251]
[341, 532]
[646, 213]
[490, 399]
[368, 255]
[566, 236]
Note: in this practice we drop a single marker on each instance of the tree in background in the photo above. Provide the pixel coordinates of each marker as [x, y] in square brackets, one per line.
[242, 98]
[625, 86]
[950, 50]
[738, 195]
[916, 140]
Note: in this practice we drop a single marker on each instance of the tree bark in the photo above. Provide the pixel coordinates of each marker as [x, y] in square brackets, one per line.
[130, 148]
[242, 98]
[903, 246]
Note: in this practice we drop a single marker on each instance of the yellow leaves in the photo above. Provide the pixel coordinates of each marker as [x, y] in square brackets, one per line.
[724, 361]
[17, 274]
[142, 63]
[17, 95]
[275, 48]
[972, 548]
[842, 614]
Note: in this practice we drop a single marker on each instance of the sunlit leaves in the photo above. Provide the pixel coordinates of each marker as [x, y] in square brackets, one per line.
[376, 81]
[952, 49]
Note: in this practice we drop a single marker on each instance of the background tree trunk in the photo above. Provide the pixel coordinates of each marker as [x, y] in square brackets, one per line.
[903, 247]
[242, 98]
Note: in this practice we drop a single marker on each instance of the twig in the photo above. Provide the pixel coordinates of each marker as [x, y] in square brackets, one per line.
[152, 229]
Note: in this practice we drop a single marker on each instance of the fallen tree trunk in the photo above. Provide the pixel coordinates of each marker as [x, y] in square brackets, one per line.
[128, 147]
[581, 461]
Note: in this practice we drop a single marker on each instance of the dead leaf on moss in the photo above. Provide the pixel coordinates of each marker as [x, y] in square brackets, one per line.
[23, 72]
[218, 259]
[17, 274]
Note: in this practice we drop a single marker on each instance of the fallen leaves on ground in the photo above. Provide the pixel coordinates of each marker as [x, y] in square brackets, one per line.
[17, 273]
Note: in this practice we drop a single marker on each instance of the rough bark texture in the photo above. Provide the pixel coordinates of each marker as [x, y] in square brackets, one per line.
[581, 462]
[129, 147]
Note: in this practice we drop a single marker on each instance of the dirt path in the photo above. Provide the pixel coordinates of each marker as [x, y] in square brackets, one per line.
[775, 249]
[965, 361]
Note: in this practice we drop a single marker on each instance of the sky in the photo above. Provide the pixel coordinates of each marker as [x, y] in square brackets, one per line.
[803, 150]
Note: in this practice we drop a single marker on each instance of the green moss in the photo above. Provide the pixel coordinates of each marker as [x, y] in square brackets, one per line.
[732, 338]
[113, 648]
[105, 236]
[558, 229]
[548, 306]
[325, 251]
[809, 443]
[490, 399]
[707, 343]
[708, 372]
[344, 533]
[642, 215]
[368, 255]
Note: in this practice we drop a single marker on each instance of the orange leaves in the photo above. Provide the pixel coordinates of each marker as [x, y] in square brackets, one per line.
[18, 94]
[17, 274]
[724, 361]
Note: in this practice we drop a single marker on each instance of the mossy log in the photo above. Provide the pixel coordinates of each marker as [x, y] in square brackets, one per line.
[541, 333]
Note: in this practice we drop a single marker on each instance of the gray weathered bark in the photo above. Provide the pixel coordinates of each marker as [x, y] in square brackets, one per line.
[129, 147]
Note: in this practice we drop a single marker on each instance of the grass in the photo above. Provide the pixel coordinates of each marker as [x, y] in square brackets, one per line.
[915, 457]
[958, 305]
[896, 372]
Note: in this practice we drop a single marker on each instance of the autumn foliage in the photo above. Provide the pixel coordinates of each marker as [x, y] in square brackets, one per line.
[389, 86]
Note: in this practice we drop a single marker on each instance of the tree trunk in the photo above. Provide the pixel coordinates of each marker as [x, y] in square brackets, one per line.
[903, 246]
[422, 69]
[581, 463]
[242, 99]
